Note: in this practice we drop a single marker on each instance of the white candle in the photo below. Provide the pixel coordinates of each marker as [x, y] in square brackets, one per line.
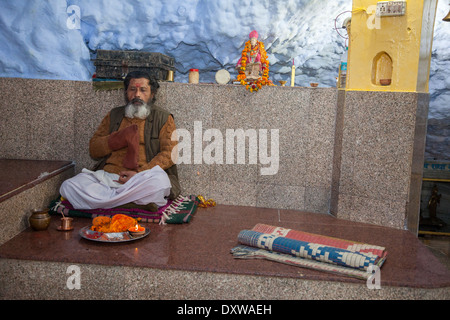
[293, 74]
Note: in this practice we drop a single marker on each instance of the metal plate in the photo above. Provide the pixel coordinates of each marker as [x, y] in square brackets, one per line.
[88, 234]
[223, 76]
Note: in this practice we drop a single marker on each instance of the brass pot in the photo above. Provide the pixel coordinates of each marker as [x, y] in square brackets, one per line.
[39, 219]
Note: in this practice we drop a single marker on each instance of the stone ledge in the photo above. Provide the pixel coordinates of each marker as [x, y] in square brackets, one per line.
[193, 261]
[21, 279]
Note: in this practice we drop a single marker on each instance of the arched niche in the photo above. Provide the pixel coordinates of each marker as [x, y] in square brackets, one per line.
[382, 69]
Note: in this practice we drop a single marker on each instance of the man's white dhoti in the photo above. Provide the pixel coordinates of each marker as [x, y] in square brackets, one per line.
[99, 189]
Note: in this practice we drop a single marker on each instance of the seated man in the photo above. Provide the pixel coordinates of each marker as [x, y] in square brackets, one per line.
[134, 145]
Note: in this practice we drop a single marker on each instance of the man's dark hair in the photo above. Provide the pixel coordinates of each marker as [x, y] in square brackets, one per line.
[142, 74]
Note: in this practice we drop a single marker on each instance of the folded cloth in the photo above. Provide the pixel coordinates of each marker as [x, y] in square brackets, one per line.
[180, 210]
[309, 250]
[245, 252]
[175, 211]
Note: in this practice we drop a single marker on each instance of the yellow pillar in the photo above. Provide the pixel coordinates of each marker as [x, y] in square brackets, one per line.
[390, 53]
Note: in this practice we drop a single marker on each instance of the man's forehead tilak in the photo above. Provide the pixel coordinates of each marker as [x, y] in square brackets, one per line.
[137, 84]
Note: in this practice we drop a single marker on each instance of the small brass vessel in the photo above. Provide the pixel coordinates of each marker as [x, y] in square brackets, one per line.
[39, 219]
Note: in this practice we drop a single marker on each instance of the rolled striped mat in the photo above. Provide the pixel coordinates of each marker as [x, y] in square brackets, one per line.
[321, 239]
[309, 250]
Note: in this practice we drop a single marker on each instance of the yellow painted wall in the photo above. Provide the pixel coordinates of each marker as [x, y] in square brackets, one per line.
[398, 47]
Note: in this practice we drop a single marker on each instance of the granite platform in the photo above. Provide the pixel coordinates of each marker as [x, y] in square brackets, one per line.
[193, 261]
[349, 167]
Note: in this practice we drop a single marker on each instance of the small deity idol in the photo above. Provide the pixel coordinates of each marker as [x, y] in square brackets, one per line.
[253, 66]
[434, 201]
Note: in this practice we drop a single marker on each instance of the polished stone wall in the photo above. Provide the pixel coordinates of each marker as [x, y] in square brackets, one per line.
[379, 152]
[351, 155]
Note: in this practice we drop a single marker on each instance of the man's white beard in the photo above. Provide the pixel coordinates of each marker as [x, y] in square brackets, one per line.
[140, 111]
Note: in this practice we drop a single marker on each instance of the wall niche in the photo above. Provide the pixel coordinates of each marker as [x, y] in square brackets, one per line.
[382, 69]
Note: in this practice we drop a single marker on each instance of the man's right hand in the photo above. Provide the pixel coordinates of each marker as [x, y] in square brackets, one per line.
[120, 139]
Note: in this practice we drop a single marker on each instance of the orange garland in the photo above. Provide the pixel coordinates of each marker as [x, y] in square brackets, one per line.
[264, 80]
[118, 223]
[205, 203]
